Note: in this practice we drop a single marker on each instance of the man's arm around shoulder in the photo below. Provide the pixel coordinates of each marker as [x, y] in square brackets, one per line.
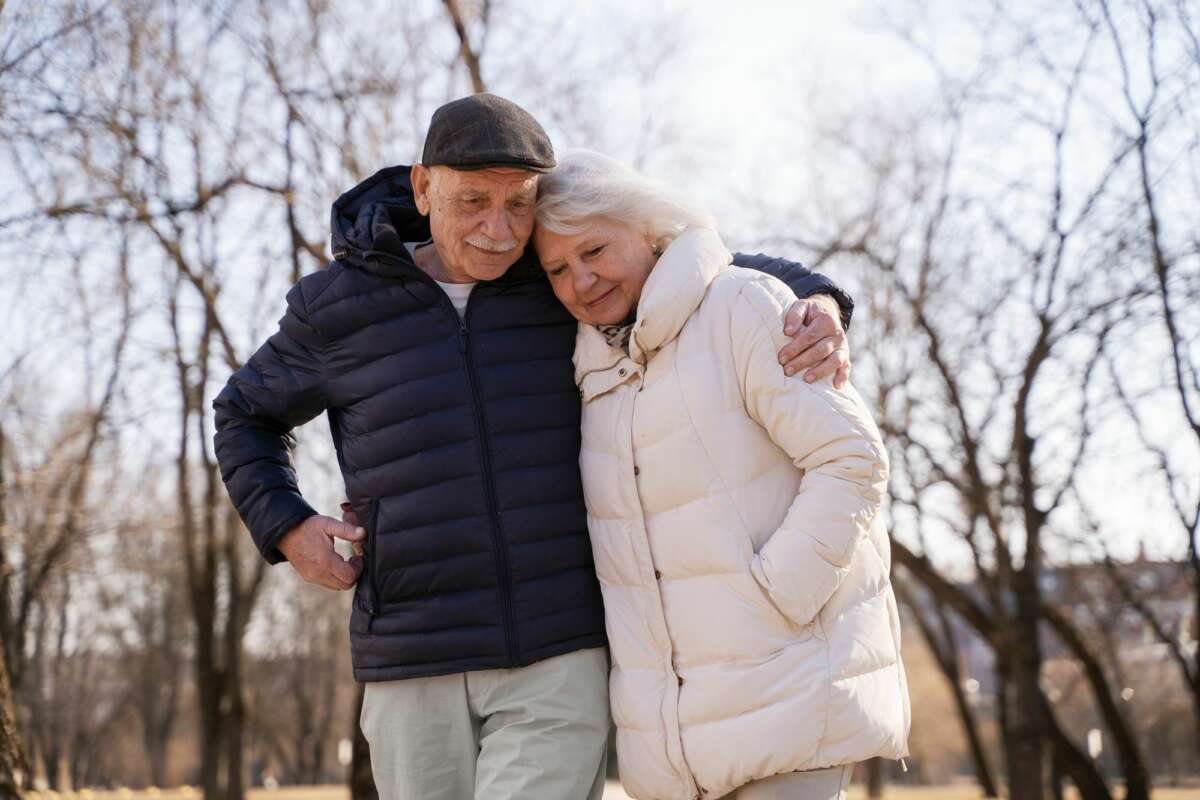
[816, 323]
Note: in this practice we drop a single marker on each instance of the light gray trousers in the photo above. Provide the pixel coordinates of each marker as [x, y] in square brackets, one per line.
[818, 784]
[532, 732]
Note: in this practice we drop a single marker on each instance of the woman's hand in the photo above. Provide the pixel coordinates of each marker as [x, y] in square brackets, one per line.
[818, 343]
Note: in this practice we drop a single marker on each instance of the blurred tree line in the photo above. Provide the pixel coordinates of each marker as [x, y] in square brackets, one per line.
[1022, 243]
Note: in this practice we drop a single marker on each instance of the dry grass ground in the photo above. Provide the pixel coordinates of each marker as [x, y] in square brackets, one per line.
[612, 793]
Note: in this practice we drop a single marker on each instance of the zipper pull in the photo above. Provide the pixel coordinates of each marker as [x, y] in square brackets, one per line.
[462, 336]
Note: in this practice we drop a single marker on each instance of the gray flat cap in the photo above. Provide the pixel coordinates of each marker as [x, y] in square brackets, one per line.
[482, 131]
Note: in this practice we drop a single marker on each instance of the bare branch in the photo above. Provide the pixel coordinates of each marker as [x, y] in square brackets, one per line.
[469, 56]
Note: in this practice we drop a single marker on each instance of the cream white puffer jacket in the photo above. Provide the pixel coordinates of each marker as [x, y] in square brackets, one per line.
[734, 518]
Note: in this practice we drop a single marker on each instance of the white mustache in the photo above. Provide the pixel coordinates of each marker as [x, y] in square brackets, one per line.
[490, 244]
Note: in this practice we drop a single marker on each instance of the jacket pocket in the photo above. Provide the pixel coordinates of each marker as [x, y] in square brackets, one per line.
[800, 632]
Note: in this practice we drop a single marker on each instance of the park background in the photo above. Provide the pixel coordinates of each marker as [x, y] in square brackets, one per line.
[1010, 190]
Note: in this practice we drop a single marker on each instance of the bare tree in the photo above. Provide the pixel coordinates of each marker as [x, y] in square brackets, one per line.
[1001, 277]
[299, 691]
[1156, 50]
[50, 514]
[147, 587]
[469, 52]
[46, 517]
[77, 693]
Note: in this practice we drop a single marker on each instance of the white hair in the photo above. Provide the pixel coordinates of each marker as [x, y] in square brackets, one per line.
[587, 185]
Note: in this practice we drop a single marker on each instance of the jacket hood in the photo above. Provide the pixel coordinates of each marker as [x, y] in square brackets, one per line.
[675, 289]
[377, 216]
[371, 222]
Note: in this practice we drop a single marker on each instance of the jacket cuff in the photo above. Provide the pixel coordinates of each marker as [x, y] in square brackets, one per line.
[764, 584]
[799, 601]
[841, 297]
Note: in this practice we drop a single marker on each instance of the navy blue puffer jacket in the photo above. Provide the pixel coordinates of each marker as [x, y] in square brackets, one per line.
[458, 440]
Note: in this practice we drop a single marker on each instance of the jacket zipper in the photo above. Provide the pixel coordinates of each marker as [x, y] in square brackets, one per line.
[510, 624]
[369, 565]
[464, 347]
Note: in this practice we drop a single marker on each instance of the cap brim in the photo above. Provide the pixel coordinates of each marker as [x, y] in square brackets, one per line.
[497, 165]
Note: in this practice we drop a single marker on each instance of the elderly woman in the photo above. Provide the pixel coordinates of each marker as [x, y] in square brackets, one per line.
[734, 511]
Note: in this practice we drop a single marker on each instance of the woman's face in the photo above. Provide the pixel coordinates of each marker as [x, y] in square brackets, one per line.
[597, 274]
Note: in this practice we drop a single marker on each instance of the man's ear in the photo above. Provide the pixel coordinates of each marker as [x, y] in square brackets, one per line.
[422, 180]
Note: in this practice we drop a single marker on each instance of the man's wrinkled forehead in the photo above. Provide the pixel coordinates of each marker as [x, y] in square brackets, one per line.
[503, 179]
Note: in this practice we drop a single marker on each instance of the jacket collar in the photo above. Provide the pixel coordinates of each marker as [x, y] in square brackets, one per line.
[675, 288]
[672, 293]
[598, 365]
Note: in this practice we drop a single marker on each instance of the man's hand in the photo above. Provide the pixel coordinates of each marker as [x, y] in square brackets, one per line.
[818, 342]
[309, 549]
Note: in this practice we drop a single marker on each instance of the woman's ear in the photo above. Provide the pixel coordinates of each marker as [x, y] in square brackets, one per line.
[652, 242]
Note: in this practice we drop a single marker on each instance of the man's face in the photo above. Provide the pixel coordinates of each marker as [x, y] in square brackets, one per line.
[481, 219]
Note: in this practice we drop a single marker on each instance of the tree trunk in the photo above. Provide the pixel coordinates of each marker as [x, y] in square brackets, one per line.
[12, 757]
[210, 748]
[946, 653]
[1031, 751]
[1075, 764]
[220, 601]
[1193, 678]
[156, 755]
[13, 765]
[240, 601]
[223, 721]
[161, 672]
[362, 781]
[1133, 767]
[1004, 705]
[235, 721]
[983, 771]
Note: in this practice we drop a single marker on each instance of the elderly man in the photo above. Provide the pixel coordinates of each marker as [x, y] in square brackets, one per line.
[443, 360]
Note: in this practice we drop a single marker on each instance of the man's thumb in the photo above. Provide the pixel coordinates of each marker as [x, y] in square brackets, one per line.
[343, 530]
[796, 317]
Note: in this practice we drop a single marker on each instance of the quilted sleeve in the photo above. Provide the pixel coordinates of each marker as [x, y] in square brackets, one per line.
[829, 434]
[279, 388]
